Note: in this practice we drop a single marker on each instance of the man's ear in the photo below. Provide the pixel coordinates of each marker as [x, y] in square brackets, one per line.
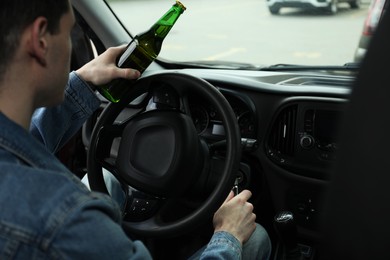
[39, 40]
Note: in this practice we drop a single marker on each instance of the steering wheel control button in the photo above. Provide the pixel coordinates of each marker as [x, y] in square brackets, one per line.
[140, 209]
[165, 97]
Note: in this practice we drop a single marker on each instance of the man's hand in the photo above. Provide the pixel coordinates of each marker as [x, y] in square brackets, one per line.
[103, 69]
[236, 216]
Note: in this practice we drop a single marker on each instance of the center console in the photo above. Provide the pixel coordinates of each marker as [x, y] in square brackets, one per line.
[304, 137]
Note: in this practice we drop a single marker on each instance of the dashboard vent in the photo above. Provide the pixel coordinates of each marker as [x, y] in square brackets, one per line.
[282, 137]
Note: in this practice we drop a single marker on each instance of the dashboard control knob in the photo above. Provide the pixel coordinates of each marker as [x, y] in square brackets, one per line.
[307, 141]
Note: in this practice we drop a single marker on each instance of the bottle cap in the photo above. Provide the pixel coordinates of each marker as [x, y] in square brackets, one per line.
[181, 5]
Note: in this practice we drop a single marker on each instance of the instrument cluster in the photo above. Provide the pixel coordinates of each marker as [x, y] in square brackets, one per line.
[209, 124]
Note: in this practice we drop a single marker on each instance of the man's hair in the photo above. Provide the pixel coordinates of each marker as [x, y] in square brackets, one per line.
[16, 15]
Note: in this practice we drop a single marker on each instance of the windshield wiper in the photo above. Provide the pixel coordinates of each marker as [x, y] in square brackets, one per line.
[352, 66]
[213, 65]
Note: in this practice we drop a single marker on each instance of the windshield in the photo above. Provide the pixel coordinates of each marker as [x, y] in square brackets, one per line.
[258, 32]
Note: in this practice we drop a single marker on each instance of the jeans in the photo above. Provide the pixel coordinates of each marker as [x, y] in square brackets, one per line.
[113, 187]
[257, 247]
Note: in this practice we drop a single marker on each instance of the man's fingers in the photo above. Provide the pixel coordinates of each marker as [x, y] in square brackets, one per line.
[229, 197]
[131, 73]
[117, 50]
[124, 73]
[245, 195]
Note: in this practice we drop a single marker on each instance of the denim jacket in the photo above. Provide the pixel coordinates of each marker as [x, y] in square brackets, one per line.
[45, 211]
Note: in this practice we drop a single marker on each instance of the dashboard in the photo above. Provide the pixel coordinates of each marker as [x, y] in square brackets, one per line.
[302, 132]
[294, 119]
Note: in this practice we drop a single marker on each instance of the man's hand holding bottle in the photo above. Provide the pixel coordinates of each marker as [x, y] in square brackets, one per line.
[103, 69]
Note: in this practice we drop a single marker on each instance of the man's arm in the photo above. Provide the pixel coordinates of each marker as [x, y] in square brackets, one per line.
[234, 222]
[55, 126]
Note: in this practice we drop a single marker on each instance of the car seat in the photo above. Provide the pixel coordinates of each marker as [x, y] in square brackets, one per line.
[356, 213]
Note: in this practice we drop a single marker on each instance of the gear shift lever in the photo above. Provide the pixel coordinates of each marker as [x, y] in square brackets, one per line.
[287, 231]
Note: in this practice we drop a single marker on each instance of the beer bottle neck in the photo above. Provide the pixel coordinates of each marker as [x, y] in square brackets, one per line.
[162, 27]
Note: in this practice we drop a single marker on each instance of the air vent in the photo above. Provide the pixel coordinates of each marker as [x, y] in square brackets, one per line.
[282, 137]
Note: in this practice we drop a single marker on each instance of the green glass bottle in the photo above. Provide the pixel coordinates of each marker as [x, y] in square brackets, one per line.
[141, 52]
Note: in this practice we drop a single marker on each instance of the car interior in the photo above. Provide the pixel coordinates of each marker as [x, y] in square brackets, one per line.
[310, 142]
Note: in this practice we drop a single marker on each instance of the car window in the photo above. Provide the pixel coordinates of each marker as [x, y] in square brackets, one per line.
[259, 32]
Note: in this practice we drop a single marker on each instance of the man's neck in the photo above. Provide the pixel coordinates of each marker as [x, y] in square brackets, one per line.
[16, 104]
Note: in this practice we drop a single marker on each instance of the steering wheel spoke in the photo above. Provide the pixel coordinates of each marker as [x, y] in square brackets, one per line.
[106, 137]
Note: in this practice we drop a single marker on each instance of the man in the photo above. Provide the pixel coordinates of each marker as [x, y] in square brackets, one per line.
[46, 212]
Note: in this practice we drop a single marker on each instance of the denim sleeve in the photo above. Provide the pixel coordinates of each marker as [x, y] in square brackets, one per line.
[222, 245]
[56, 125]
[90, 229]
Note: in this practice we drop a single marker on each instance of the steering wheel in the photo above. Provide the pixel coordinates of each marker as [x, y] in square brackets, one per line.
[158, 156]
